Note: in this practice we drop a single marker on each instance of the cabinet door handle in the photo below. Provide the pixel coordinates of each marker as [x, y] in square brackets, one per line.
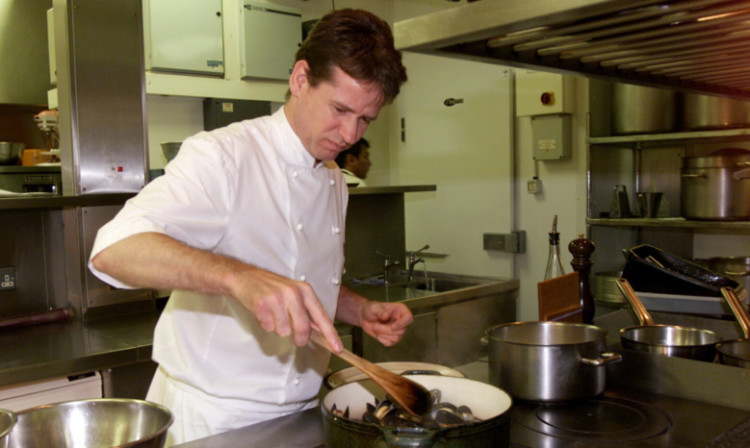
[694, 176]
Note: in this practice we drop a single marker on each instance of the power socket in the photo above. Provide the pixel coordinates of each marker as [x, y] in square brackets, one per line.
[534, 186]
[7, 278]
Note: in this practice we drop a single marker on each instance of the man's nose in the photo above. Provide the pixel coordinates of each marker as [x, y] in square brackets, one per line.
[349, 130]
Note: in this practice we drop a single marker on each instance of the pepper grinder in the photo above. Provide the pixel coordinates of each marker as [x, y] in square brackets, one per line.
[581, 249]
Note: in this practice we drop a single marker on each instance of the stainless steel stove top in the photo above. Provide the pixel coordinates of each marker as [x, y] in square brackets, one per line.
[625, 419]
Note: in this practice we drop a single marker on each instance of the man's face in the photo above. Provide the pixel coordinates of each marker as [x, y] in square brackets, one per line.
[360, 165]
[330, 117]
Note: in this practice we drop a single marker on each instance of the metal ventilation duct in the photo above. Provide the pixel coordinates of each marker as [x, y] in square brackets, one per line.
[697, 45]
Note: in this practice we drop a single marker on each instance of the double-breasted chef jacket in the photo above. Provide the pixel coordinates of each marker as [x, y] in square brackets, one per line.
[250, 191]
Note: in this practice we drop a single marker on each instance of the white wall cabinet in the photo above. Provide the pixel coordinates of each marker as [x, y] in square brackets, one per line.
[271, 35]
[184, 36]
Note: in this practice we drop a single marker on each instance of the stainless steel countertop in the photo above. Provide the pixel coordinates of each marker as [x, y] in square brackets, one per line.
[59, 349]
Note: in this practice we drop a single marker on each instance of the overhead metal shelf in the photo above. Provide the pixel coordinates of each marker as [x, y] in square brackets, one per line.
[692, 45]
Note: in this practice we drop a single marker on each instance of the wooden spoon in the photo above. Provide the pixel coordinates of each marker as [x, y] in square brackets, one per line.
[412, 396]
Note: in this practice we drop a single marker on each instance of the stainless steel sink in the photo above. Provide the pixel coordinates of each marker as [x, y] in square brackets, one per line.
[433, 283]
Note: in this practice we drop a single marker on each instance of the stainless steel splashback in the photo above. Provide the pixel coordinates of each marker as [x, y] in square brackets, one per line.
[99, 50]
[698, 45]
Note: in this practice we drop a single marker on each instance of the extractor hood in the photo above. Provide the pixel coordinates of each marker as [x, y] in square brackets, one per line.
[693, 45]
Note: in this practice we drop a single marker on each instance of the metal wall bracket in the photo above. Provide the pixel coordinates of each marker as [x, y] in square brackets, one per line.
[514, 242]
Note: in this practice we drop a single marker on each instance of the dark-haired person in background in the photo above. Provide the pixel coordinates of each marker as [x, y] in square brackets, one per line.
[355, 163]
[246, 228]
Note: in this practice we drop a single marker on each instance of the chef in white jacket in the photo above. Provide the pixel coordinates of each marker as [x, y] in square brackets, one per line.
[355, 163]
[246, 228]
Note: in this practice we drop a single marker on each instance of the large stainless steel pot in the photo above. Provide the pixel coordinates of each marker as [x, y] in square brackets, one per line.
[711, 112]
[668, 340]
[737, 352]
[717, 186]
[7, 421]
[100, 423]
[637, 109]
[549, 361]
[487, 402]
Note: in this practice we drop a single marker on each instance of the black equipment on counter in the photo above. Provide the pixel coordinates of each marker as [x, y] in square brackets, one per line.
[651, 269]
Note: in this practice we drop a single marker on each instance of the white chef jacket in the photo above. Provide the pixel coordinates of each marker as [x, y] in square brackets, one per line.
[351, 179]
[248, 191]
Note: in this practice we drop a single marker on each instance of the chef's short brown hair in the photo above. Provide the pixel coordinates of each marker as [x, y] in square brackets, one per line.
[360, 44]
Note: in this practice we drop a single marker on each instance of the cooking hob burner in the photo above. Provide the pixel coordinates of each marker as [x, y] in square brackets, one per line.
[606, 418]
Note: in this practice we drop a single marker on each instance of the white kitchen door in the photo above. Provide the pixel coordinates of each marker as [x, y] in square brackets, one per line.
[466, 150]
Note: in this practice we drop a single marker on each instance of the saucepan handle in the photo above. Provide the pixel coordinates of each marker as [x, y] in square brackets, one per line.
[605, 358]
[410, 437]
[741, 174]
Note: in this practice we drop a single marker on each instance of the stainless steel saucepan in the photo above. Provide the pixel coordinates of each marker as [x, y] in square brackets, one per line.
[736, 352]
[669, 340]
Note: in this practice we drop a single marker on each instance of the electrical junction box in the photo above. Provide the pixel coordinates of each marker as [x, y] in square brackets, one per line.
[184, 36]
[543, 93]
[551, 137]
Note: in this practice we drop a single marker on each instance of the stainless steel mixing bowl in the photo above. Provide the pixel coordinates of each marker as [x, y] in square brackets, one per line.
[105, 422]
[7, 421]
[10, 152]
[170, 149]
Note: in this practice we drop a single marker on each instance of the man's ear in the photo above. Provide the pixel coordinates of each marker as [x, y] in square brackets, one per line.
[298, 78]
[350, 160]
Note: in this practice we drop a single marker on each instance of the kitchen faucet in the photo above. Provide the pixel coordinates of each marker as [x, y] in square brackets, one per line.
[387, 265]
[413, 260]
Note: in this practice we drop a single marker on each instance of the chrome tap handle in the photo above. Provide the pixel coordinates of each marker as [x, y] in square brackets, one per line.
[387, 265]
[413, 260]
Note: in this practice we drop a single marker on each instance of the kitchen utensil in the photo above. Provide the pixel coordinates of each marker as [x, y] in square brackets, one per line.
[412, 396]
[717, 186]
[668, 340]
[10, 152]
[353, 374]
[713, 112]
[43, 317]
[170, 149]
[490, 404]
[736, 352]
[7, 421]
[620, 206]
[103, 422]
[549, 361]
[647, 204]
[560, 299]
[637, 109]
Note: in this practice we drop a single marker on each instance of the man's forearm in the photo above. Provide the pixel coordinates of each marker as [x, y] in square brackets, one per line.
[154, 260]
[350, 306]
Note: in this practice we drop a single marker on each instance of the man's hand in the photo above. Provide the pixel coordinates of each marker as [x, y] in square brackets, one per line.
[286, 307]
[386, 321]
